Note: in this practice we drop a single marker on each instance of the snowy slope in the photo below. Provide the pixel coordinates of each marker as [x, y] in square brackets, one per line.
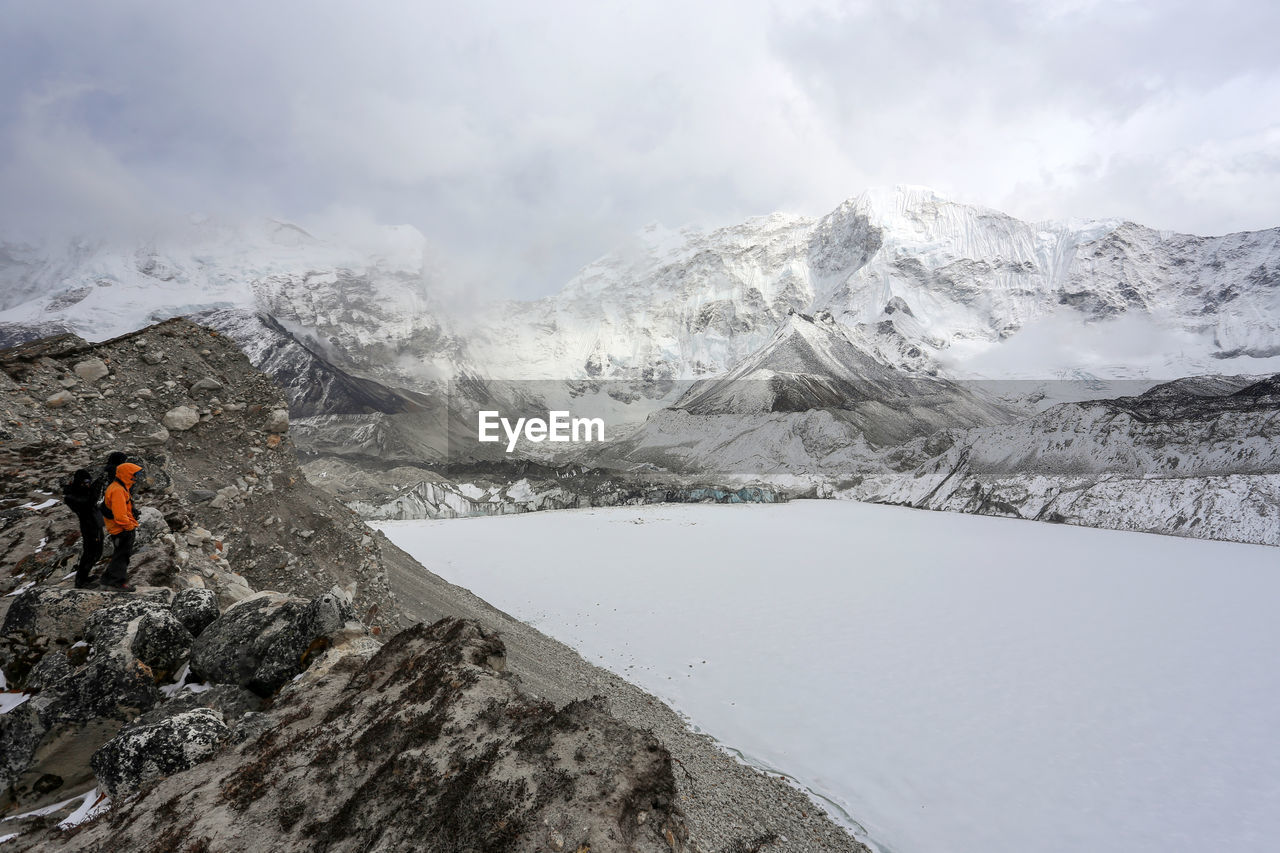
[809, 402]
[928, 283]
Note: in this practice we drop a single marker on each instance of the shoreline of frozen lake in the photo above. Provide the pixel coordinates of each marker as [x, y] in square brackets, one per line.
[953, 682]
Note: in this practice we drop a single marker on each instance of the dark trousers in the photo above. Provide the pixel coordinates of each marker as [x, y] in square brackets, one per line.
[90, 542]
[118, 569]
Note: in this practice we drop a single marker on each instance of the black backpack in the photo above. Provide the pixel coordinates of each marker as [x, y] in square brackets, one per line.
[80, 492]
[106, 510]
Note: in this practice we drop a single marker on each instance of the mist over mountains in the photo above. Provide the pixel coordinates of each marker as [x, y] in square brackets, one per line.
[851, 354]
[922, 283]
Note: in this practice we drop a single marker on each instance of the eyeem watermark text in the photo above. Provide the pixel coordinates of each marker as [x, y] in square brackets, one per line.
[558, 426]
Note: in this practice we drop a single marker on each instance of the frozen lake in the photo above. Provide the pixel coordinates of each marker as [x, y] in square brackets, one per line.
[951, 682]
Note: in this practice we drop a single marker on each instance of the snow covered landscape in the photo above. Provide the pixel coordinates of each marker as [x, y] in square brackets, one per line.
[940, 682]
[789, 426]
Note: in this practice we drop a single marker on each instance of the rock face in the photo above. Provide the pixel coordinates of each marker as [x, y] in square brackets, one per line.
[195, 609]
[1196, 457]
[426, 746]
[262, 642]
[143, 753]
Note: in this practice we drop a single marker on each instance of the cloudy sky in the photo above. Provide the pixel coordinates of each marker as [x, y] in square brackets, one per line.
[524, 139]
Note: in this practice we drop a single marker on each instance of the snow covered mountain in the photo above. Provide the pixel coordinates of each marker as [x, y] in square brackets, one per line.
[908, 293]
[810, 401]
[926, 283]
[366, 302]
[922, 282]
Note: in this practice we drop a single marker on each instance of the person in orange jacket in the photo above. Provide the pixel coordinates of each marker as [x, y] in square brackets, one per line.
[122, 525]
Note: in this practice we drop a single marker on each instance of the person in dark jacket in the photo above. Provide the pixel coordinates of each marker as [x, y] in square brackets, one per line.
[122, 524]
[81, 497]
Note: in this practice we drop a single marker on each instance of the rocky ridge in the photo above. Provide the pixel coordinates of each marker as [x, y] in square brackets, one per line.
[213, 437]
[1196, 457]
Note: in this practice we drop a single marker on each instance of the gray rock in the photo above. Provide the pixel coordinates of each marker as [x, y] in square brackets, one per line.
[62, 398]
[46, 743]
[156, 437]
[229, 700]
[91, 369]
[180, 418]
[198, 535]
[54, 612]
[162, 642]
[195, 609]
[141, 629]
[153, 356]
[277, 421]
[260, 642]
[328, 613]
[206, 385]
[225, 497]
[199, 496]
[51, 668]
[101, 690]
[140, 754]
[251, 726]
[151, 525]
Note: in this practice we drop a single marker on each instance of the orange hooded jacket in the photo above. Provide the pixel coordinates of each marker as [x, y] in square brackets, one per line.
[118, 501]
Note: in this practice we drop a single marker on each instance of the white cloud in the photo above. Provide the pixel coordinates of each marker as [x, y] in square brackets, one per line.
[525, 139]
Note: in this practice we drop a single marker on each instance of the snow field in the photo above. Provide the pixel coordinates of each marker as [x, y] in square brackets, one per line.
[948, 682]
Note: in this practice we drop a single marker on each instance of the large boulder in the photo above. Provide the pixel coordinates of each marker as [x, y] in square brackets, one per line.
[328, 613]
[47, 741]
[55, 612]
[142, 629]
[151, 525]
[142, 753]
[46, 618]
[162, 642]
[195, 608]
[277, 421]
[267, 639]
